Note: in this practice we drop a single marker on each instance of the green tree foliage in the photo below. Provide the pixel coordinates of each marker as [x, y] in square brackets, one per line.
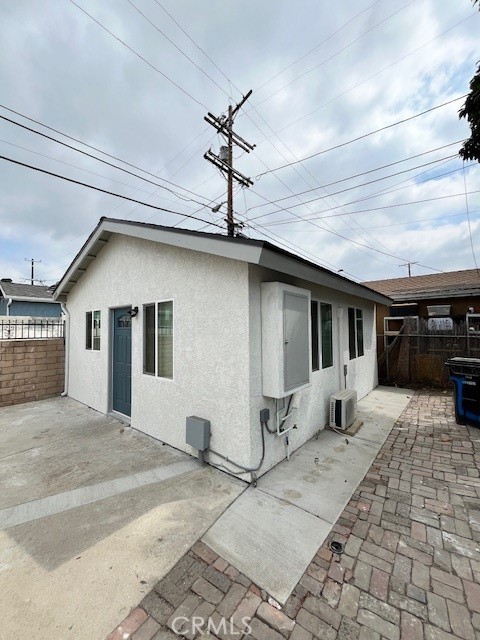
[471, 111]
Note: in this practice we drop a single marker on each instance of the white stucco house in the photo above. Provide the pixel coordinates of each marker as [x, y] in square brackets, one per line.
[165, 324]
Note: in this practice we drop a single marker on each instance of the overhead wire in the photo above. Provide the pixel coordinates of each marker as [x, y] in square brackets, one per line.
[389, 254]
[349, 240]
[359, 84]
[74, 166]
[138, 55]
[195, 44]
[317, 46]
[362, 173]
[405, 223]
[381, 208]
[357, 186]
[185, 55]
[302, 178]
[105, 153]
[106, 162]
[341, 50]
[105, 191]
[363, 136]
[389, 190]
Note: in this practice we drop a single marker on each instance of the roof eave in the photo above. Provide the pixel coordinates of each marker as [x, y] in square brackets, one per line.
[300, 269]
[27, 299]
[433, 295]
[252, 252]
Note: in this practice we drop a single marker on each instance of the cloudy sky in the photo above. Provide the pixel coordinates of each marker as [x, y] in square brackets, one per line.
[135, 78]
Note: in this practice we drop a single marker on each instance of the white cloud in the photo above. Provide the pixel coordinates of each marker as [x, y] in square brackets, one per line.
[67, 72]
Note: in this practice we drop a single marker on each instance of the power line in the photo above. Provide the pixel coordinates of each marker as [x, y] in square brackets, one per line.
[387, 206]
[74, 166]
[363, 136]
[359, 84]
[294, 206]
[105, 153]
[363, 173]
[110, 164]
[110, 193]
[405, 223]
[341, 50]
[305, 180]
[138, 55]
[157, 28]
[358, 244]
[208, 56]
[194, 43]
[317, 46]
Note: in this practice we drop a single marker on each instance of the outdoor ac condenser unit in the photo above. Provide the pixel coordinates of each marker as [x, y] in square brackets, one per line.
[343, 406]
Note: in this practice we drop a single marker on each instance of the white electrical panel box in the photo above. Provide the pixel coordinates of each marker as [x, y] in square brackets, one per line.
[286, 339]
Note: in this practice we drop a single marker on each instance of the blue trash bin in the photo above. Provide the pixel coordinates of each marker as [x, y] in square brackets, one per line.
[465, 375]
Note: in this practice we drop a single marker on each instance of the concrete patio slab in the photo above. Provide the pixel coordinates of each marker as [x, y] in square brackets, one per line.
[57, 445]
[96, 514]
[269, 530]
[316, 482]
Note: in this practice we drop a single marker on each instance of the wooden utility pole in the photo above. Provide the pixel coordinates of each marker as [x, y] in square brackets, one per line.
[409, 265]
[230, 219]
[32, 268]
[225, 127]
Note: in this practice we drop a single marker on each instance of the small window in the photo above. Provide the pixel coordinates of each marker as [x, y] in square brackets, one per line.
[96, 330]
[88, 329]
[315, 351]
[158, 339]
[327, 336]
[149, 339]
[92, 330]
[359, 317]
[355, 332]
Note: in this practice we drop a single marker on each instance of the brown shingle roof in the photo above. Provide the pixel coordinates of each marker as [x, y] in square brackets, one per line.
[451, 283]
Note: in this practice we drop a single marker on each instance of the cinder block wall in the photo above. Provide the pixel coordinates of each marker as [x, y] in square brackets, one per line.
[31, 370]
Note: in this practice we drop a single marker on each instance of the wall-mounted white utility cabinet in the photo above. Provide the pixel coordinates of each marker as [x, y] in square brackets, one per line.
[286, 339]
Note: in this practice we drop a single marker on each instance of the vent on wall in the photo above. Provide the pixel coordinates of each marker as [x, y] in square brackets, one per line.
[343, 407]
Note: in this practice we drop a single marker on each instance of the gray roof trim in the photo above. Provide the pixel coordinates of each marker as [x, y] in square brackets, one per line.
[27, 299]
[244, 249]
[206, 243]
[300, 269]
[433, 295]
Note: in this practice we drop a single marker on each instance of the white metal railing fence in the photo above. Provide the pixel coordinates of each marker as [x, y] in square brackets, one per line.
[31, 329]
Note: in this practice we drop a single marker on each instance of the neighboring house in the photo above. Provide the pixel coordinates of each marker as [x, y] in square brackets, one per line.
[431, 318]
[458, 292]
[27, 300]
[459, 289]
[167, 323]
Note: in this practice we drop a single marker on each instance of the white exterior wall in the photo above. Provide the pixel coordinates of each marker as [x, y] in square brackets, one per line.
[211, 344]
[312, 412]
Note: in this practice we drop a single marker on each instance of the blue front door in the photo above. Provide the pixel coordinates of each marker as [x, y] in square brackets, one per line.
[122, 362]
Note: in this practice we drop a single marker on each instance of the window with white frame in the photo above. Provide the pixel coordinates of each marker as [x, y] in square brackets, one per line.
[355, 332]
[92, 330]
[158, 339]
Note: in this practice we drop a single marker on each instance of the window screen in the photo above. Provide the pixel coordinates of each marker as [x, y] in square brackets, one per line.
[327, 335]
[315, 352]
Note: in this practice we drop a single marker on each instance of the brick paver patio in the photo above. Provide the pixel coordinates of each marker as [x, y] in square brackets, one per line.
[410, 567]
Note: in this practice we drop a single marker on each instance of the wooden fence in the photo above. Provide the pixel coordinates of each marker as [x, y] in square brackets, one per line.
[418, 353]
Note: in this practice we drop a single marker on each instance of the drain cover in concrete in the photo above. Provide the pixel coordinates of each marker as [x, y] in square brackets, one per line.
[270, 541]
